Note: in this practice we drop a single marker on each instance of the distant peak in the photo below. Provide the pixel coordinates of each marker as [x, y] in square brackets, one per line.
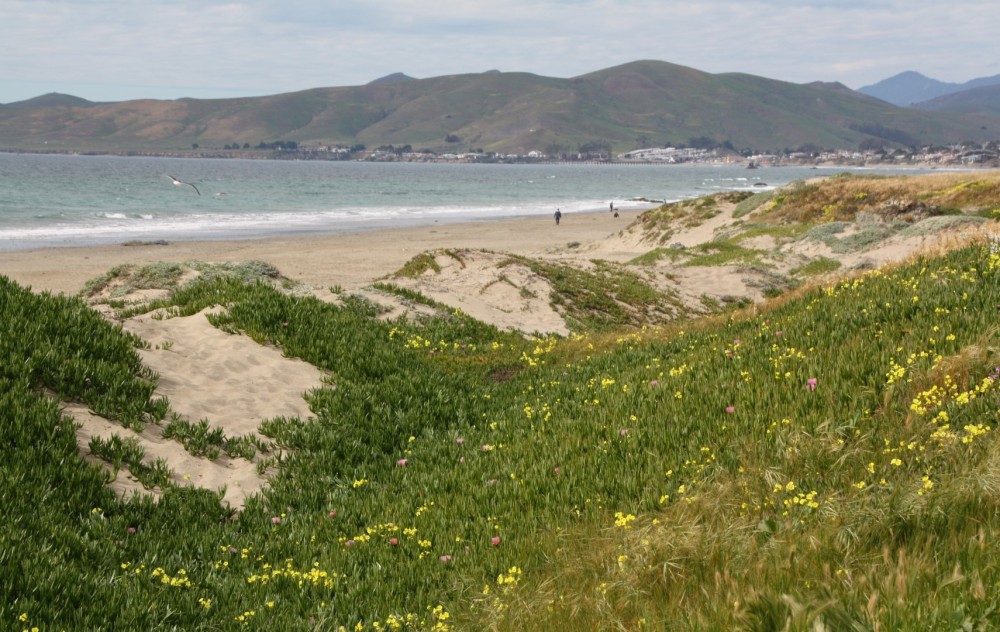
[53, 99]
[836, 86]
[909, 74]
[396, 77]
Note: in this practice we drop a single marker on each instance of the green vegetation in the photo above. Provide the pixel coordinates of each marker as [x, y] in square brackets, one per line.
[752, 203]
[199, 439]
[606, 296]
[409, 295]
[818, 266]
[720, 253]
[64, 347]
[117, 451]
[780, 233]
[662, 220]
[125, 279]
[246, 271]
[933, 225]
[885, 199]
[826, 461]
[867, 236]
[654, 256]
[771, 283]
[418, 265]
[129, 278]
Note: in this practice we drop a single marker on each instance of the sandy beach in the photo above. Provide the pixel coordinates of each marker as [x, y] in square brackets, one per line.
[345, 259]
[231, 380]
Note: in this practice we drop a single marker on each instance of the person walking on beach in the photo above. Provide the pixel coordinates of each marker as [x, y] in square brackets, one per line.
[558, 216]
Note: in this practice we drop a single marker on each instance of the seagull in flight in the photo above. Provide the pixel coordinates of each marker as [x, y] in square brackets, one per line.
[178, 183]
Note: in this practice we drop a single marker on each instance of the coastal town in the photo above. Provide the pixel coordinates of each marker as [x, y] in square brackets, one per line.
[965, 155]
[986, 155]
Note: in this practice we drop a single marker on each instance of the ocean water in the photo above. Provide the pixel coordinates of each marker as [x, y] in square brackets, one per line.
[64, 200]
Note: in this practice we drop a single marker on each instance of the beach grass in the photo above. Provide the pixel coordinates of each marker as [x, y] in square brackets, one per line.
[718, 253]
[818, 266]
[127, 279]
[825, 460]
[604, 296]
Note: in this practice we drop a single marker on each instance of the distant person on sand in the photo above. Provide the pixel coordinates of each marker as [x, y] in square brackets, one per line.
[612, 206]
[558, 216]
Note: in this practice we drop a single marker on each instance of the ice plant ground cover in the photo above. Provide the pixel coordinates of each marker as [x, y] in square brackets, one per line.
[827, 458]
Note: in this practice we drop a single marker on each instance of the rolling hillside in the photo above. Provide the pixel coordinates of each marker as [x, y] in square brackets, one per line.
[640, 104]
[983, 100]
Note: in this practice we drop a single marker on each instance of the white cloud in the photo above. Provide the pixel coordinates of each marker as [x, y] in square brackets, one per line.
[116, 49]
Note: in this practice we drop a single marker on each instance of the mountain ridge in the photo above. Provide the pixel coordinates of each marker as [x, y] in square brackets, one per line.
[980, 100]
[910, 88]
[643, 103]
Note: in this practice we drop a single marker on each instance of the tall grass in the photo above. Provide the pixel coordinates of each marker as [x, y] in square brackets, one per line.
[829, 458]
[843, 197]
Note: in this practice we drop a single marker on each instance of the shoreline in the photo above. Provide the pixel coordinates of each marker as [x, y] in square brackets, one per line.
[348, 259]
[98, 217]
[868, 162]
[279, 227]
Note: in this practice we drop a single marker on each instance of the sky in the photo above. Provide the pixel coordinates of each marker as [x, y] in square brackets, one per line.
[116, 50]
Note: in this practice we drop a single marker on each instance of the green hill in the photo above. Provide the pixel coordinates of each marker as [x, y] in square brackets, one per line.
[641, 104]
[827, 460]
[983, 100]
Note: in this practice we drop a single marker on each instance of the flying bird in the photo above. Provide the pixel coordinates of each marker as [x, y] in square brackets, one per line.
[179, 183]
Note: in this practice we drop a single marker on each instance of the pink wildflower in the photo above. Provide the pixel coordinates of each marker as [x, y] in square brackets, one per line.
[654, 382]
[131, 530]
[401, 463]
[444, 559]
[459, 440]
[811, 384]
[623, 432]
[730, 409]
[276, 520]
[394, 541]
[349, 543]
[495, 540]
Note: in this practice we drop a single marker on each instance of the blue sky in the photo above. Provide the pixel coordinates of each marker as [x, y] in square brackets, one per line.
[112, 50]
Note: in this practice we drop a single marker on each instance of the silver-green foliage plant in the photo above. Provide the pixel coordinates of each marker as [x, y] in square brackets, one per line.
[752, 203]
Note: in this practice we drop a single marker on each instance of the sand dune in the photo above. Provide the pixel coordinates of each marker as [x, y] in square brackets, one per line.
[235, 383]
[229, 380]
